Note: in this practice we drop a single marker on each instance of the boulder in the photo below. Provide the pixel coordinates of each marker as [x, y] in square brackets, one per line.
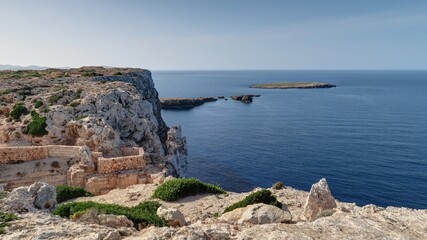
[44, 195]
[257, 214]
[114, 221]
[173, 216]
[38, 196]
[319, 199]
[92, 216]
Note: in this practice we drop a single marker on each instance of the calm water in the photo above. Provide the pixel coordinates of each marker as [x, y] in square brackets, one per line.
[368, 136]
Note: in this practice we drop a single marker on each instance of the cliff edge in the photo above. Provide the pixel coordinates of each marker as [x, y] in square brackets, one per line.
[113, 113]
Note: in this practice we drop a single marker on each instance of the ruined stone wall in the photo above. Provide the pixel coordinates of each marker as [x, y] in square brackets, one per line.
[21, 166]
[109, 165]
[13, 155]
[65, 165]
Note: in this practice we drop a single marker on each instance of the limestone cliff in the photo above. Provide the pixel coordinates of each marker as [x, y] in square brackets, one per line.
[108, 110]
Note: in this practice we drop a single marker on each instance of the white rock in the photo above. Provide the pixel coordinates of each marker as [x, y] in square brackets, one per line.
[257, 214]
[38, 196]
[173, 216]
[318, 200]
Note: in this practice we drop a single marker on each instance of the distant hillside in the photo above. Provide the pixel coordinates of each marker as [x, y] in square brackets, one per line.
[16, 67]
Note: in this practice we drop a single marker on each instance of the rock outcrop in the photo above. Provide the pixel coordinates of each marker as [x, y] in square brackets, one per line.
[106, 112]
[38, 196]
[173, 216]
[184, 103]
[257, 214]
[248, 98]
[346, 221]
[318, 200]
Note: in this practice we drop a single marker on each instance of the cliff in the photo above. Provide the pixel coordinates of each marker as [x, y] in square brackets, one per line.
[113, 113]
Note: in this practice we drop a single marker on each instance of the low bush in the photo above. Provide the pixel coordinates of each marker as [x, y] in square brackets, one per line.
[64, 193]
[143, 213]
[38, 103]
[78, 94]
[4, 219]
[74, 104]
[53, 99]
[37, 127]
[262, 196]
[18, 110]
[175, 189]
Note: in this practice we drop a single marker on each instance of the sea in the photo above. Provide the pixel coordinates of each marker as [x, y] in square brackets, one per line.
[367, 136]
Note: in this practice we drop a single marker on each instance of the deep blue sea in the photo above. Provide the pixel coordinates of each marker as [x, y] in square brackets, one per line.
[367, 136]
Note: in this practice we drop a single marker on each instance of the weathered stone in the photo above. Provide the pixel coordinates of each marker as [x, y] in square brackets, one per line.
[38, 196]
[318, 200]
[257, 214]
[44, 196]
[173, 216]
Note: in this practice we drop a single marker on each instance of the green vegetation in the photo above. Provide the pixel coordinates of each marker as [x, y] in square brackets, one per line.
[19, 74]
[175, 189]
[53, 99]
[143, 213]
[5, 218]
[5, 91]
[64, 193]
[18, 110]
[118, 74]
[91, 73]
[278, 185]
[262, 196]
[38, 103]
[37, 127]
[78, 94]
[74, 104]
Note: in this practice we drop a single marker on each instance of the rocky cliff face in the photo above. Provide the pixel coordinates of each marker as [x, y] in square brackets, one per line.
[105, 109]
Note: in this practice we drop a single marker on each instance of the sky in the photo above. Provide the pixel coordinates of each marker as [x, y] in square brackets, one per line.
[220, 34]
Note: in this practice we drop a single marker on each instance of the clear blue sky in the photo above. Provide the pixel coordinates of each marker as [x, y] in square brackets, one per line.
[220, 34]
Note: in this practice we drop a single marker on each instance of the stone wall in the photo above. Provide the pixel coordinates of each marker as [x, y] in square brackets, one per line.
[13, 155]
[108, 165]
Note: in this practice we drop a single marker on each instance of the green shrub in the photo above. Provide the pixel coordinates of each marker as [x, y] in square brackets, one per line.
[37, 127]
[38, 103]
[64, 193]
[78, 94]
[74, 104]
[18, 110]
[278, 185]
[143, 213]
[262, 196]
[53, 99]
[178, 188]
[4, 219]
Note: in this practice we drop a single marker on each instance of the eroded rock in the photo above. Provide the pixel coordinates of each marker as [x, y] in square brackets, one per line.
[257, 214]
[173, 216]
[319, 199]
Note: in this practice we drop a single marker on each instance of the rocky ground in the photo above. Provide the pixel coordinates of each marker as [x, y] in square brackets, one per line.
[202, 218]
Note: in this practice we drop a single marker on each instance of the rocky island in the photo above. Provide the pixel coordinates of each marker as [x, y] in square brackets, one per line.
[287, 85]
[85, 154]
[184, 103]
